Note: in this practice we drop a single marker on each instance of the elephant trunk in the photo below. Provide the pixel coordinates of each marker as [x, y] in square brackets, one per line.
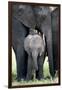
[35, 65]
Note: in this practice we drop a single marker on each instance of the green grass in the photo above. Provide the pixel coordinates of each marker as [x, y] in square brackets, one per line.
[33, 82]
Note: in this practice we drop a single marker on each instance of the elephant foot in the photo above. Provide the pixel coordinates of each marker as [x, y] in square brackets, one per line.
[40, 78]
[28, 79]
[20, 79]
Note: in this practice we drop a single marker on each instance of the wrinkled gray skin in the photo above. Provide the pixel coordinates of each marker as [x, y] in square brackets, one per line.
[35, 47]
[23, 18]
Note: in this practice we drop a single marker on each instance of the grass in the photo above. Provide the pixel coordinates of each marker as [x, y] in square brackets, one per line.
[47, 80]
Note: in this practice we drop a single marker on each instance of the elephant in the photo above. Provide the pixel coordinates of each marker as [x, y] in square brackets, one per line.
[24, 17]
[34, 45]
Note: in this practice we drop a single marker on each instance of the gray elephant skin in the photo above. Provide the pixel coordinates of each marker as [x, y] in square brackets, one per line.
[24, 17]
[35, 47]
[55, 15]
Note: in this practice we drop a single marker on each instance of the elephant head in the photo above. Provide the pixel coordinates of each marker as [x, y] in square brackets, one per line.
[30, 15]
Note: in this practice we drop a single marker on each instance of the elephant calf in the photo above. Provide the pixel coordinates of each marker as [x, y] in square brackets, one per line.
[34, 45]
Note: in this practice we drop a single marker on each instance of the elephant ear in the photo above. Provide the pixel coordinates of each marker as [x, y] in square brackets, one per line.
[24, 14]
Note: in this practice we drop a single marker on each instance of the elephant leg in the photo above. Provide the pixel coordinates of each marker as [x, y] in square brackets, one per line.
[39, 73]
[50, 53]
[46, 29]
[19, 31]
[21, 63]
[29, 69]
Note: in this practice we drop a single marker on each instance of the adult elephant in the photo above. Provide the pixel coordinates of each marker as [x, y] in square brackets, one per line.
[34, 45]
[27, 16]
